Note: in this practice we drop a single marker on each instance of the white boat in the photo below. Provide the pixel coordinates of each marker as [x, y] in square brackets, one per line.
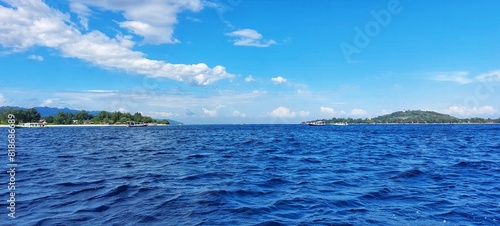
[31, 125]
[317, 123]
[136, 124]
[339, 124]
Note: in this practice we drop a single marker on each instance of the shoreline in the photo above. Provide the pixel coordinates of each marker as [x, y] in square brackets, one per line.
[353, 124]
[92, 125]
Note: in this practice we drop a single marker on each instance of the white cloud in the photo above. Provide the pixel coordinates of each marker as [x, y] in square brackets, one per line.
[278, 80]
[237, 113]
[125, 40]
[327, 110]
[145, 100]
[160, 114]
[490, 76]
[122, 110]
[152, 20]
[47, 103]
[36, 57]
[249, 37]
[358, 112]
[3, 101]
[457, 76]
[210, 113]
[32, 23]
[463, 111]
[462, 77]
[249, 79]
[83, 13]
[283, 112]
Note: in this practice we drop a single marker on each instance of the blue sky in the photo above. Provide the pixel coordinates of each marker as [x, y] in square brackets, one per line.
[242, 61]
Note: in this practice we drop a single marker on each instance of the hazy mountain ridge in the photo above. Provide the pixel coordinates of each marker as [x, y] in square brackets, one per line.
[50, 111]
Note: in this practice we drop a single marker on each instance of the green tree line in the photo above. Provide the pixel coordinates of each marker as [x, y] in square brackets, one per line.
[415, 116]
[81, 117]
[22, 116]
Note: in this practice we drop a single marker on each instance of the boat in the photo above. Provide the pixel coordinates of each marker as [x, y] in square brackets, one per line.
[339, 124]
[317, 123]
[31, 125]
[136, 124]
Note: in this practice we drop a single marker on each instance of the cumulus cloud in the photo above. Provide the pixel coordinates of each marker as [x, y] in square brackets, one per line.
[490, 76]
[152, 20]
[36, 57]
[210, 113]
[249, 37]
[278, 80]
[3, 101]
[47, 102]
[464, 111]
[237, 113]
[50, 103]
[82, 11]
[29, 24]
[284, 112]
[358, 112]
[457, 76]
[327, 110]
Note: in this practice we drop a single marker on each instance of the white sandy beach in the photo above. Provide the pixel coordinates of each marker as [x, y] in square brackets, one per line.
[90, 125]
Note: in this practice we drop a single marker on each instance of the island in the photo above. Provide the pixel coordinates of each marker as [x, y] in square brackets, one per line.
[81, 117]
[410, 117]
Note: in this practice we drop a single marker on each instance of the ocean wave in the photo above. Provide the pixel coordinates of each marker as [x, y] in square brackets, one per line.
[260, 175]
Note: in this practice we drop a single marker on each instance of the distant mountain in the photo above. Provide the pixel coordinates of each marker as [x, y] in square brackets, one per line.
[11, 107]
[49, 111]
[416, 116]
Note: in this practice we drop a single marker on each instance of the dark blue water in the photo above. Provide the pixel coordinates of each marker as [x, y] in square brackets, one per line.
[257, 175]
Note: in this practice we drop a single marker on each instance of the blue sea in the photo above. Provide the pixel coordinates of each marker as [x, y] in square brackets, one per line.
[256, 175]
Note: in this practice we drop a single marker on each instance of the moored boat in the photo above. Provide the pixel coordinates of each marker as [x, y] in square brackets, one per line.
[136, 124]
[31, 125]
[317, 123]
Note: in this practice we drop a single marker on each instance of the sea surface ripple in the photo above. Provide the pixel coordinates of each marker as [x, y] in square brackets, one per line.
[257, 175]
